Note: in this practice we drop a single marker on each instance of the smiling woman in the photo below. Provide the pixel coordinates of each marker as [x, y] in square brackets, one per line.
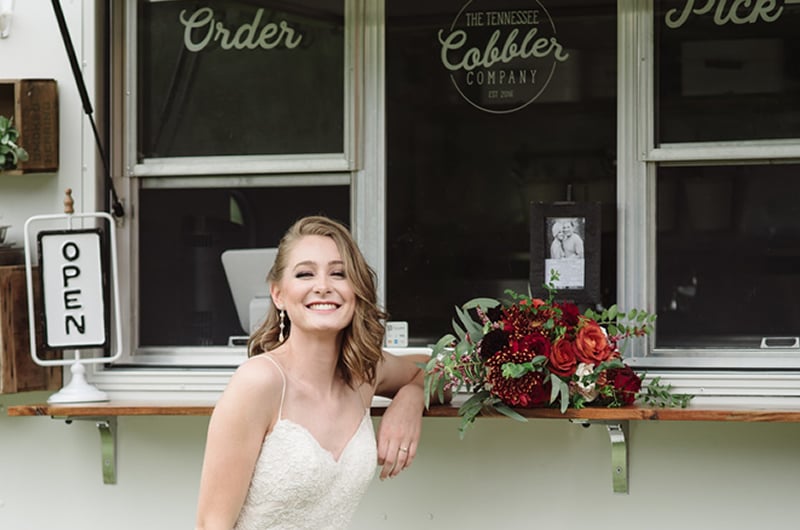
[291, 438]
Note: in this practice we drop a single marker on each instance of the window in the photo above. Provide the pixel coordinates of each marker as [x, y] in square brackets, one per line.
[240, 78]
[726, 73]
[728, 256]
[241, 120]
[472, 142]
[435, 131]
[714, 185]
[182, 234]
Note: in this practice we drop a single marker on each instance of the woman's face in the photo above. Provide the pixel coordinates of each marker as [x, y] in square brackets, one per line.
[314, 290]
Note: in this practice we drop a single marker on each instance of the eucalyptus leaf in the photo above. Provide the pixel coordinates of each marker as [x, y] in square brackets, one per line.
[508, 411]
[427, 384]
[483, 303]
[564, 390]
[458, 330]
[442, 343]
[474, 329]
[554, 390]
[474, 404]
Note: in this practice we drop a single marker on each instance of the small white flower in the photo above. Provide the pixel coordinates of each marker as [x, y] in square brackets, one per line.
[588, 391]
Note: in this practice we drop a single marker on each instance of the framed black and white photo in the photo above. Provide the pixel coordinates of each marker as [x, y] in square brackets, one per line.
[565, 250]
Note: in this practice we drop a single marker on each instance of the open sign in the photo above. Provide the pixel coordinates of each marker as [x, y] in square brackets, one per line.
[72, 288]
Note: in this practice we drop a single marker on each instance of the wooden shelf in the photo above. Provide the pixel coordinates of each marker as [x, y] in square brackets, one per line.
[133, 408]
[117, 408]
[615, 421]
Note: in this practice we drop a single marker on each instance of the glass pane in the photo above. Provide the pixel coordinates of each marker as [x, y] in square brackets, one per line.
[728, 255]
[727, 70]
[240, 78]
[184, 293]
[476, 134]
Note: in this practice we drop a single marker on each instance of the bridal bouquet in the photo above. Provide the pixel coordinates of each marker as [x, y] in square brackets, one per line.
[528, 352]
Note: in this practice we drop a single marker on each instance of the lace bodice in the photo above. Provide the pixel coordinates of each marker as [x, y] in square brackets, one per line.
[297, 484]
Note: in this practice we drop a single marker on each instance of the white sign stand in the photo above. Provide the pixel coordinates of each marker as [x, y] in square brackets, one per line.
[74, 299]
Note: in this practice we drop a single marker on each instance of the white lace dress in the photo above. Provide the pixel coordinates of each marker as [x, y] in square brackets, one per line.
[297, 484]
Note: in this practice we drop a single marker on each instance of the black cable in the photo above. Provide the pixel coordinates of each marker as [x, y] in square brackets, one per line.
[116, 207]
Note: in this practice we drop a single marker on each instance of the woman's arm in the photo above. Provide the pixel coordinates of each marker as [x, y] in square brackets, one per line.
[240, 421]
[400, 378]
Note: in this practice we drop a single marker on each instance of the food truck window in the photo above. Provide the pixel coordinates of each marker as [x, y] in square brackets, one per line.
[491, 105]
[728, 256]
[727, 70]
[253, 77]
[185, 297]
[727, 109]
[215, 86]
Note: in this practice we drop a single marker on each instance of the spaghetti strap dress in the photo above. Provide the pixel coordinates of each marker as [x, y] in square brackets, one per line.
[298, 484]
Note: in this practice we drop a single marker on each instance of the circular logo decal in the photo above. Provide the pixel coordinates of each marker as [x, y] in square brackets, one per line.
[501, 59]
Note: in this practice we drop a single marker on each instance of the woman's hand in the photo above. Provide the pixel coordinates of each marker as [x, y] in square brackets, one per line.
[399, 431]
[400, 378]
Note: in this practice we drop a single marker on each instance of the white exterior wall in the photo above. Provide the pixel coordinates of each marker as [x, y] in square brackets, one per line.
[503, 475]
[34, 49]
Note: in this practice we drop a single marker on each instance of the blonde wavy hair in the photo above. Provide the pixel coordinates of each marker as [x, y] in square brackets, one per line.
[362, 339]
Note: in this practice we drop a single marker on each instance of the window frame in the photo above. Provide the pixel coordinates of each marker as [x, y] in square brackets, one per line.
[296, 170]
[711, 382]
[638, 161]
[347, 160]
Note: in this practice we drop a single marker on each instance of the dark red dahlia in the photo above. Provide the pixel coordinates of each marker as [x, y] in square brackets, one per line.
[493, 342]
[530, 390]
[495, 314]
[519, 322]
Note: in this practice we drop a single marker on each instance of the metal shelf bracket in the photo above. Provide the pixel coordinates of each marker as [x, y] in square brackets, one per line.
[107, 427]
[618, 435]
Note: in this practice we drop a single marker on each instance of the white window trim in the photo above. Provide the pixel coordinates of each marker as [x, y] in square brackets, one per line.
[348, 159]
[636, 230]
[364, 171]
[637, 161]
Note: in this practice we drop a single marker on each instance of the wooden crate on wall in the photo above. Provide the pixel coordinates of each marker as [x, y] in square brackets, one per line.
[18, 372]
[33, 103]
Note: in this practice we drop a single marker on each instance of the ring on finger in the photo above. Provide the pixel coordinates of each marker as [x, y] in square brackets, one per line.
[404, 449]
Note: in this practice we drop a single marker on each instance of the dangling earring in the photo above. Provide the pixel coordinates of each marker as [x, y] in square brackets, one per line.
[281, 325]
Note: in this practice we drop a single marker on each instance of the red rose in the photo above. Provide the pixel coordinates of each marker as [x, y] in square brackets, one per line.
[625, 382]
[570, 314]
[592, 344]
[563, 358]
[536, 344]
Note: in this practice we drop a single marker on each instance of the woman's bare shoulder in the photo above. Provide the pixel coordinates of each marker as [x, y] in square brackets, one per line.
[258, 378]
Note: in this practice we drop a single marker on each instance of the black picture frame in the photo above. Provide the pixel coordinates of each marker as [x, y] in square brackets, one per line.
[565, 236]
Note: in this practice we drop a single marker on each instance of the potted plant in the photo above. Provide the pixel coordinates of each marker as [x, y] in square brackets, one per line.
[10, 152]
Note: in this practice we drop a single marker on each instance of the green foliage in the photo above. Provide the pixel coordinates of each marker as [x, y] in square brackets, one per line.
[10, 152]
[658, 394]
[457, 362]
